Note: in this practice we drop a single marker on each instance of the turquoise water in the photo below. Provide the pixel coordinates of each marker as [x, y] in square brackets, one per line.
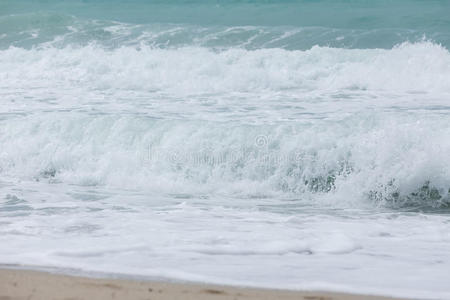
[349, 24]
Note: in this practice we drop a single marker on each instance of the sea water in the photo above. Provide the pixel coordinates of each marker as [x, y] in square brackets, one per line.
[289, 144]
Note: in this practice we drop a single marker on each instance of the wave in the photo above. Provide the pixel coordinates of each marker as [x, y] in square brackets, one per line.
[325, 124]
[58, 29]
[387, 162]
[416, 68]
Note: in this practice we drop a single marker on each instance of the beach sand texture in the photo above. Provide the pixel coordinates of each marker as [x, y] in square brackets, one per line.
[24, 284]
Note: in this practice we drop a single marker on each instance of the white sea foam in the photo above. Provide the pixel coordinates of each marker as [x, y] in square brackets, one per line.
[402, 162]
[144, 234]
[165, 162]
[421, 67]
[146, 118]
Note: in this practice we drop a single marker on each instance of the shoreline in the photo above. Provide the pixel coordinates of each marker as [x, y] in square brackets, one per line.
[20, 284]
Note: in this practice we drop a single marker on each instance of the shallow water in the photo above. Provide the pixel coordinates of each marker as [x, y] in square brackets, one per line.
[304, 148]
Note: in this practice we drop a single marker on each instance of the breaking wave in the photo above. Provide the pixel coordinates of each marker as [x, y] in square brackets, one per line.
[348, 125]
[388, 162]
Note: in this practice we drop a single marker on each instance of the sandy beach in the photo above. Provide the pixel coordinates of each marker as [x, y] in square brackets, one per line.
[36, 285]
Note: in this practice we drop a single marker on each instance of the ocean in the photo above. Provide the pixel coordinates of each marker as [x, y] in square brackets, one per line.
[292, 144]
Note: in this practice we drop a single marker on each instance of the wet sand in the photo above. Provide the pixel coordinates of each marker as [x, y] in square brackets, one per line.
[37, 285]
